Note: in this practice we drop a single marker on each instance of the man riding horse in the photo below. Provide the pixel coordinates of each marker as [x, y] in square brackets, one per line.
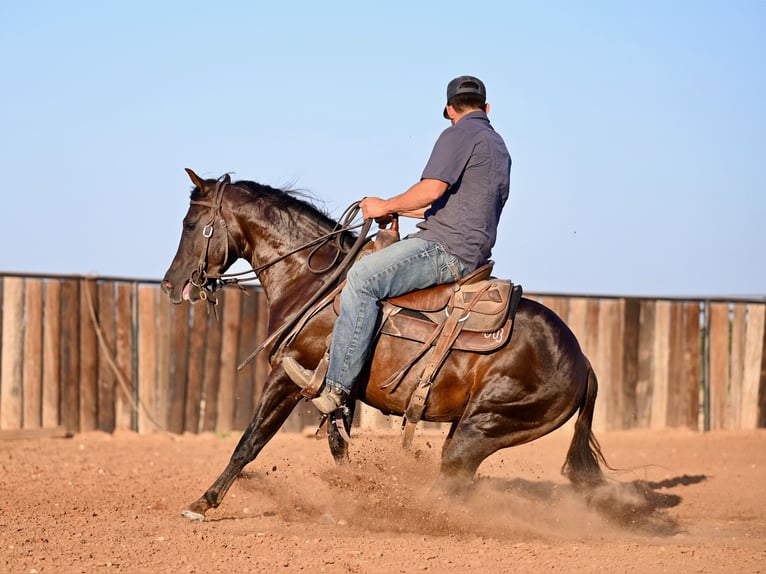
[460, 197]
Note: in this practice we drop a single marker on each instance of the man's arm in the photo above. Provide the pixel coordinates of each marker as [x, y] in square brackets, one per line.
[412, 203]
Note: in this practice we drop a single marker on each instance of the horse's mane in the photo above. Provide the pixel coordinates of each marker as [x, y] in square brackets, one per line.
[283, 199]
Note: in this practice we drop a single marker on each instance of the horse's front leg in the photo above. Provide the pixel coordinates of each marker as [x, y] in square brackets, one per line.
[338, 445]
[278, 400]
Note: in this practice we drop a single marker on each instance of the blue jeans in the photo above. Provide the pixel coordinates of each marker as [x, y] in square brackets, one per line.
[404, 266]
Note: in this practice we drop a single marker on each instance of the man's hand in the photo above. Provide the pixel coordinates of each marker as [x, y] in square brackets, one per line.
[375, 208]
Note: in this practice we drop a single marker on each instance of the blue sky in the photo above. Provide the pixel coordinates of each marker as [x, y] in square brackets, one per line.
[637, 129]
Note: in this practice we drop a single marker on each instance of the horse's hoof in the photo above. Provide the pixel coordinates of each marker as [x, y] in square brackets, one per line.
[193, 516]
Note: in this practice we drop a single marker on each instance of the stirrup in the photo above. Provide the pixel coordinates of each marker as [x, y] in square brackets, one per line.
[310, 381]
[299, 374]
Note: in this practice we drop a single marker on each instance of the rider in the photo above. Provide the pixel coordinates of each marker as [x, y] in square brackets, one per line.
[460, 196]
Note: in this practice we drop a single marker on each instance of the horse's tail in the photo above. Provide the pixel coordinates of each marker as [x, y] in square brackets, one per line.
[583, 463]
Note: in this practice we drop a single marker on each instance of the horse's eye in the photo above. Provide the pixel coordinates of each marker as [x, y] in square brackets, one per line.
[189, 226]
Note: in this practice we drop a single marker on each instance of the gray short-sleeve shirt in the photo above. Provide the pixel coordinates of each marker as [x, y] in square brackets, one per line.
[474, 161]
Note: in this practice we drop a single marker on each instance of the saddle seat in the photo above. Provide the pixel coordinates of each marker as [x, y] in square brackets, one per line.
[437, 297]
[487, 314]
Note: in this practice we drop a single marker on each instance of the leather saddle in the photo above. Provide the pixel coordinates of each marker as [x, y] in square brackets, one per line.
[485, 327]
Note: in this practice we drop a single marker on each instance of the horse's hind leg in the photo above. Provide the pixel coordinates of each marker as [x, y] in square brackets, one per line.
[477, 435]
[463, 451]
[275, 405]
[450, 434]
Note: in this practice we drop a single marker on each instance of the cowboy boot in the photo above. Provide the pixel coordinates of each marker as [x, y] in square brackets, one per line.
[330, 400]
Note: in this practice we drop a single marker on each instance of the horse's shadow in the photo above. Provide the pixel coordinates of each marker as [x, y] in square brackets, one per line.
[637, 505]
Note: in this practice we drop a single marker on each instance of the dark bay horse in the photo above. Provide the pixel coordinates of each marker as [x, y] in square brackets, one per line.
[524, 390]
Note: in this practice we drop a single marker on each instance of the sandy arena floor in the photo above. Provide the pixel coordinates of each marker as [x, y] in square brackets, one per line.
[111, 503]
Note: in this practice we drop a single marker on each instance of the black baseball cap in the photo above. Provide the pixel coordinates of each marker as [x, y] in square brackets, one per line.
[464, 85]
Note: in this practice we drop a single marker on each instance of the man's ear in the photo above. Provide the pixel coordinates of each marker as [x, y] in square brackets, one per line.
[486, 108]
[451, 113]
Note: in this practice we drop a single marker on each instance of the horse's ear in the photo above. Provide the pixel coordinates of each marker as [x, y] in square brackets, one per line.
[196, 180]
[226, 178]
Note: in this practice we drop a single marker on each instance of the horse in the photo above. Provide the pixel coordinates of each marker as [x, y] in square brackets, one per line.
[518, 393]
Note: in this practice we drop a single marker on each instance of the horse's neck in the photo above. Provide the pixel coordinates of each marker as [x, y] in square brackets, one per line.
[289, 283]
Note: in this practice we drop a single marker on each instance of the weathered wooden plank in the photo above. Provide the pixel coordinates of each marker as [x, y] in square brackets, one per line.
[660, 365]
[691, 375]
[229, 361]
[165, 365]
[125, 354]
[88, 356]
[70, 355]
[684, 356]
[33, 354]
[645, 380]
[195, 373]
[737, 368]
[147, 358]
[719, 363]
[245, 383]
[630, 340]
[172, 411]
[51, 355]
[675, 364]
[212, 374]
[754, 378]
[12, 357]
[107, 378]
[611, 316]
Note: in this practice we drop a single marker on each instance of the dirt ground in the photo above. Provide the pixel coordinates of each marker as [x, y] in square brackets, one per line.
[112, 503]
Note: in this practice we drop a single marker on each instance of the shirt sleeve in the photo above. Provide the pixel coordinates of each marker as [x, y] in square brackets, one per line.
[448, 158]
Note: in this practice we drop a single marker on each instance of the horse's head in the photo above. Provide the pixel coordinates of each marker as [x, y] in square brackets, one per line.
[206, 249]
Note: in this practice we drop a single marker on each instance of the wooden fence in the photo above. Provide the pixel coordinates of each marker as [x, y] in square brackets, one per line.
[82, 353]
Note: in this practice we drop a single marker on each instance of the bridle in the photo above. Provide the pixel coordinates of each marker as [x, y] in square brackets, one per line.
[209, 283]
[200, 278]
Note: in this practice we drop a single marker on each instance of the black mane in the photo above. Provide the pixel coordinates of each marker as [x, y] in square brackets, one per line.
[299, 200]
[281, 199]
[284, 203]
